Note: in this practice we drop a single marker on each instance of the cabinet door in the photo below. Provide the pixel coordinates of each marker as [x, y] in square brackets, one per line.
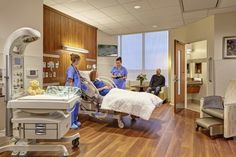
[51, 32]
[46, 31]
[79, 34]
[64, 30]
[57, 33]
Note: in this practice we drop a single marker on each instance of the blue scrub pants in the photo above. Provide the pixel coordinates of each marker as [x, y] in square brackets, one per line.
[75, 113]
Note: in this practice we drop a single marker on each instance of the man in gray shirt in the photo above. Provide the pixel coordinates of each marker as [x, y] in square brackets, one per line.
[157, 81]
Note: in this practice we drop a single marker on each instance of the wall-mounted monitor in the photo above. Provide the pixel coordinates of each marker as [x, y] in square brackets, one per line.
[107, 50]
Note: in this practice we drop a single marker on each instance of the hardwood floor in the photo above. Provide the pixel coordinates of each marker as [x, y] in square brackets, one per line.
[164, 135]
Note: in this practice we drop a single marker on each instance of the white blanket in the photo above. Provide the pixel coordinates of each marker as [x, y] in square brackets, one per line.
[140, 104]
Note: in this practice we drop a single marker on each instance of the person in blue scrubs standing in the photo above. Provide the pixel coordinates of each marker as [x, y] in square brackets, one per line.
[73, 80]
[119, 74]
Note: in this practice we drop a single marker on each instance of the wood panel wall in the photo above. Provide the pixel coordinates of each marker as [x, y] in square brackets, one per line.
[61, 29]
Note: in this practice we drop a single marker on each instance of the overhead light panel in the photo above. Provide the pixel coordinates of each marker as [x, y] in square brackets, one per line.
[137, 7]
[196, 5]
[154, 26]
[75, 49]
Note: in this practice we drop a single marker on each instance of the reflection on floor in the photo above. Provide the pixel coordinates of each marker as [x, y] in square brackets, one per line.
[193, 106]
[165, 135]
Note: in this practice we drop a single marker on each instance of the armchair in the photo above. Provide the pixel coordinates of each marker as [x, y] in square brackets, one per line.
[163, 94]
[220, 121]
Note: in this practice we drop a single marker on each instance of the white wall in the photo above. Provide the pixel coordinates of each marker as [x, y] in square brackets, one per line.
[105, 64]
[199, 52]
[225, 25]
[212, 29]
[200, 30]
[15, 14]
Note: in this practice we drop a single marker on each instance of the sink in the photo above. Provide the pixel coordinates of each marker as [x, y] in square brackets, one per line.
[194, 85]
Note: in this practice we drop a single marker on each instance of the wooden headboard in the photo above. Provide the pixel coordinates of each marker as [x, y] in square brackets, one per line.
[60, 29]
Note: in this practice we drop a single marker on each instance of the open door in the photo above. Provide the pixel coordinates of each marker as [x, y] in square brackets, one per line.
[179, 72]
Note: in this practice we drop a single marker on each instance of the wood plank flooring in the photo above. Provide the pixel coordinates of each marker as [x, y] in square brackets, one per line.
[165, 135]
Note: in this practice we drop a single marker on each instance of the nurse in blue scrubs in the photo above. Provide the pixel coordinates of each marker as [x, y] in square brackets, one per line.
[73, 80]
[119, 74]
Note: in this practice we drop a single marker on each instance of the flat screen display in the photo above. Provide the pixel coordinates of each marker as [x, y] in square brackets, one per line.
[32, 72]
[107, 50]
[17, 61]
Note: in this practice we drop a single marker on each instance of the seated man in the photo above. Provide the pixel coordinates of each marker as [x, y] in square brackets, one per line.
[100, 85]
[157, 81]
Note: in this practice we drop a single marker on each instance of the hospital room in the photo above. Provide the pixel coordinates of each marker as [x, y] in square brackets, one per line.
[122, 78]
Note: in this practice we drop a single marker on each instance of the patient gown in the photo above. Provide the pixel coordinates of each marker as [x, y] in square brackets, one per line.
[99, 84]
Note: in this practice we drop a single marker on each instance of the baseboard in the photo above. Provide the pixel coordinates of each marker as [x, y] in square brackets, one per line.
[193, 101]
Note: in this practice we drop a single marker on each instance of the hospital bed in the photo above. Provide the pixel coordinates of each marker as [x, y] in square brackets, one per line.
[46, 117]
[91, 101]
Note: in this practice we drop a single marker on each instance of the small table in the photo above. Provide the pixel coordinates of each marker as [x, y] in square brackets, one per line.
[142, 88]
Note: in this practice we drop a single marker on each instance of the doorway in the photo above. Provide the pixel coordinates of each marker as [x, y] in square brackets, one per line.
[179, 74]
[197, 73]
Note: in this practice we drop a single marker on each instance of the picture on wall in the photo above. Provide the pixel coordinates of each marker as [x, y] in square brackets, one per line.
[229, 47]
[107, 50]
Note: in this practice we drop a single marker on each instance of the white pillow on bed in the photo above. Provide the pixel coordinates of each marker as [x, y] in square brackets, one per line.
[85, 74]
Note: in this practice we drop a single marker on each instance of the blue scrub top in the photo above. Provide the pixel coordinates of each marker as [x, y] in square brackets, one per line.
[99, 84]
[120, 83]
[73, 73]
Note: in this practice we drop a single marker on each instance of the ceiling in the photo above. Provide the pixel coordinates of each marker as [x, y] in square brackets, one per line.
[120, 16]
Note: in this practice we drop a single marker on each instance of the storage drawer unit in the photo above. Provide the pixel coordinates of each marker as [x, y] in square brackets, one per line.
[40, 131]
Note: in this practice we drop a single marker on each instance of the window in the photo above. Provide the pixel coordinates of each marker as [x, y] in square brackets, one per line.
[132, 50]
[156, 50]
[144, 53]
[156, 53]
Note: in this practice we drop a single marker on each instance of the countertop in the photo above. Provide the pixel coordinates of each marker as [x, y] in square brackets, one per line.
[194, 82]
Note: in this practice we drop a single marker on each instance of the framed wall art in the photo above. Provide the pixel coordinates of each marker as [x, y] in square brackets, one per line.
[229, 47]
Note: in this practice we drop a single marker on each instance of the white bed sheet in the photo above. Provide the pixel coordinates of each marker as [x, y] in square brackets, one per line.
[140, 104]
[46, 97]
[42, 102]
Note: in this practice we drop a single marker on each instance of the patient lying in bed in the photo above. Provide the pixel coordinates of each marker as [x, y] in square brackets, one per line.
[140, 104]
[100, 85]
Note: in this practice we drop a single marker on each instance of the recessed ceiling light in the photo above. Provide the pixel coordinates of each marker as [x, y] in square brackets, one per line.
[137, 7]
[154, 26]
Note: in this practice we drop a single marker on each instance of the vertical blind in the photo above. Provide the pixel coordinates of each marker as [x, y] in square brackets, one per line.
[144, 53]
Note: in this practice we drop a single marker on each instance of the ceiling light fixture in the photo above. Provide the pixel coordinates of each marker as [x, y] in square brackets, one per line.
[75, 49]
[137, 7]
[154, 26]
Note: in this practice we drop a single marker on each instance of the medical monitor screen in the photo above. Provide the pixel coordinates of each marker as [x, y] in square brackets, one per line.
[17, 61]
[32, 72]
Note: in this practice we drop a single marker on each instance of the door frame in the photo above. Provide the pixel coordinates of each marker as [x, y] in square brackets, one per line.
[209, 74]
[183, 60]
